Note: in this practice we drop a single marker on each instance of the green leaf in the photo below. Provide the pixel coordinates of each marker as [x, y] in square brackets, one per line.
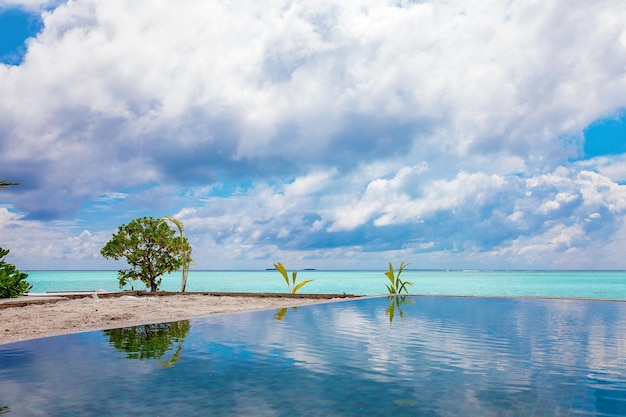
[300, 285]
[294, 277]
[283, 271]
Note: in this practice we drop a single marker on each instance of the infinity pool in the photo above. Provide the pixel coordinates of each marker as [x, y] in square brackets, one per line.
[417, 356]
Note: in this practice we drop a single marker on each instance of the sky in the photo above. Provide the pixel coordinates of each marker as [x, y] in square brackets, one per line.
[451, 134]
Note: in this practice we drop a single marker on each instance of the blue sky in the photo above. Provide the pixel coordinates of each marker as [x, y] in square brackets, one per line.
[322, 134]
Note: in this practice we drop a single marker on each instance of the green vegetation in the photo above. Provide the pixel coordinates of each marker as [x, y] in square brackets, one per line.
[150, 249]
[150, 341]
[396, 285]
[185, 252]
[12, 281]
[5, 183]
[293, 288]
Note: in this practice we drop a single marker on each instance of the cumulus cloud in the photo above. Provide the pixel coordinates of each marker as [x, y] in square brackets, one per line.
[312, 126]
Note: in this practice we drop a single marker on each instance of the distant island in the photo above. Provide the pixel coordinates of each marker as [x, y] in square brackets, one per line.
[305, 269]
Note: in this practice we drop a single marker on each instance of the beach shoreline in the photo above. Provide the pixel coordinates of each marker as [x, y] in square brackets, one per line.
[38, 316]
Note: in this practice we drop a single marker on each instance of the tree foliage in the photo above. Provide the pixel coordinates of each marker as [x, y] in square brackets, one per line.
[150, 249]
[12, 281]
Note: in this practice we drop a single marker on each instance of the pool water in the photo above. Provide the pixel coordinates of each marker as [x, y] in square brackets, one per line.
[417, 356]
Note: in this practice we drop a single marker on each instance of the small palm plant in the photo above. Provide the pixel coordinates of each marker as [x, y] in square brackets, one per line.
[185, 252]
[396, 285]
[281, 268]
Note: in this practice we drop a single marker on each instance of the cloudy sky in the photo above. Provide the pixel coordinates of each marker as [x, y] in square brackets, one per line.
[323, 134]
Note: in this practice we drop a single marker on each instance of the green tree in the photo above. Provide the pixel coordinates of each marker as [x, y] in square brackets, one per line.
[12, 281]
[185, 252]
[150, 249]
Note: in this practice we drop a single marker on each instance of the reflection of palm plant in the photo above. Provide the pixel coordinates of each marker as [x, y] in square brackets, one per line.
[396, 285]
[396, 304]
[282, 312]
[281, 268]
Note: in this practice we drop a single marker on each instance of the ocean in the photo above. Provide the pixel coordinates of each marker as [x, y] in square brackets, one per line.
[562, 284]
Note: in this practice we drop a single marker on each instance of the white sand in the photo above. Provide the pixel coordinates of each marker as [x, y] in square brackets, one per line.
[88, 313]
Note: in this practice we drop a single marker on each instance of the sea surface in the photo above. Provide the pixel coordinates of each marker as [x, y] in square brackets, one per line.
[562, 284]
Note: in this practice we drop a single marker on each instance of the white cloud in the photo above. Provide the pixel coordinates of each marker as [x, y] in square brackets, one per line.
[613, 167]
[455, 121]
[309, 184]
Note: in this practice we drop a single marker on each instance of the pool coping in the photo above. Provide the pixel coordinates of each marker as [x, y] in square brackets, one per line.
[53, 297]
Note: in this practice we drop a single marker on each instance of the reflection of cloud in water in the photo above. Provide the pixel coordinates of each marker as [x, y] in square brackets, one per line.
[452, 333]
[67, 379]
[488, 355]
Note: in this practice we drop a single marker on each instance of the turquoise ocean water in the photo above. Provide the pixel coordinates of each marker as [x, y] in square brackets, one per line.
[566, 284]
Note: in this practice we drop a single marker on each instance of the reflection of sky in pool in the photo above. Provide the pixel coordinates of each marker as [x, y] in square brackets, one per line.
[443, 356]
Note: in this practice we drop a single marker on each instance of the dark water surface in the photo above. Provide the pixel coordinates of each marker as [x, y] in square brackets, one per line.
[418, 356]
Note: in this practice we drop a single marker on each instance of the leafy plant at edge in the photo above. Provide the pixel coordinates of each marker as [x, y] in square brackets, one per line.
[281, 268]
[12, 281]
[396, 285]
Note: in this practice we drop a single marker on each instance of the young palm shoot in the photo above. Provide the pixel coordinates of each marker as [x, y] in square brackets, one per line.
[293, 288]
[396, 285]
[185, 252]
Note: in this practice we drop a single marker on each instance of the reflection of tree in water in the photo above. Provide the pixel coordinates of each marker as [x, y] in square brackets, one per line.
[150, 341]
[395, 305]
[4, 409]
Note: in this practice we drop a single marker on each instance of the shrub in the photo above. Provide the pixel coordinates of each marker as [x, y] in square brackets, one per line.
[12, 281]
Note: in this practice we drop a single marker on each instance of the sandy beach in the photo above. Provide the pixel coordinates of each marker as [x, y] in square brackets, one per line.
[41, 317]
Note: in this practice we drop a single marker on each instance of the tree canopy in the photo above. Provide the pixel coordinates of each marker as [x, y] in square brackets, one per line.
[150, 249]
